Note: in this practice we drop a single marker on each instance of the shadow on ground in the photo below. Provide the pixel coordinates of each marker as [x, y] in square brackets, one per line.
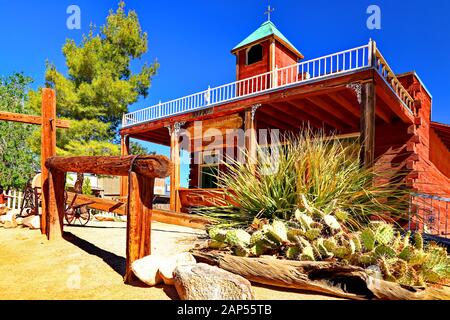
[117, 263]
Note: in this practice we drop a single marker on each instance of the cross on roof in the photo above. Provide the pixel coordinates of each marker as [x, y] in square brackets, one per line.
[268, 12]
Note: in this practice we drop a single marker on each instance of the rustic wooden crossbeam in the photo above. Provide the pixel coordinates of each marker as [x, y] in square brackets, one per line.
[151, 166]
[30, 119]
[164, 216]
[141, 172]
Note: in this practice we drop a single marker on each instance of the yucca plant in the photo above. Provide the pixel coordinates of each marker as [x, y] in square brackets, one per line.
[322, 170]
[330, 176]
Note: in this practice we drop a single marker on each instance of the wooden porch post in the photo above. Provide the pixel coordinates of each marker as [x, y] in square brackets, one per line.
[124, 151]
[139, 217]
[48, 148]
[367, 126]
[250, 136]
[174, 131]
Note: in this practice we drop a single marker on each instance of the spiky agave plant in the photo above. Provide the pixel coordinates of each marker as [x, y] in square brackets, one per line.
[330, 176]
[265, 189]
[323, 170]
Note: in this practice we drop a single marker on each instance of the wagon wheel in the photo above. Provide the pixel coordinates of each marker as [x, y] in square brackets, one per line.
[28, 206]
[78, 216]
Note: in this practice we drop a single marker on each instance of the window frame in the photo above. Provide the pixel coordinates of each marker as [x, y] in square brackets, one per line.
[210, 153]
[248, 51]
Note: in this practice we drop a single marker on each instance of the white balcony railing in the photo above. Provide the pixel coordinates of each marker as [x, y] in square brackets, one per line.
[331, 65]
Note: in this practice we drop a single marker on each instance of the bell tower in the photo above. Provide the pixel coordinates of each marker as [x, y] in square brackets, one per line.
[263, 51]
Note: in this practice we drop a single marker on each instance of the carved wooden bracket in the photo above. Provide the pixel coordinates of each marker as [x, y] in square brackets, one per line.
[357, 88]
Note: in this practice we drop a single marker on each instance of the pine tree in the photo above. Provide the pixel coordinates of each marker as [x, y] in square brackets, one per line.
[99, 85]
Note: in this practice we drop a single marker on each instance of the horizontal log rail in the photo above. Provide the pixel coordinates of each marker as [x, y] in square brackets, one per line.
[151, 166]
[31, 119]
[119, 208]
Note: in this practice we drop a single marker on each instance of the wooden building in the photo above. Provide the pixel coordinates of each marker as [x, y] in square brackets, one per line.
[353, 93]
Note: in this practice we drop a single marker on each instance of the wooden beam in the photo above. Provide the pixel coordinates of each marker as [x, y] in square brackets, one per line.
[48, 149]
[339, 98]
[31, 119]
[293, 111]
[383, 111]
[334, 111]
[152, 137]
[55, 205]
[385, 93]
[274, 113]
[276, 123]
[251, 138]
[322, 116]
[175, 204]
[139, 215]
[367, 127]
[124, 151]
[151, 166]
[163, 216]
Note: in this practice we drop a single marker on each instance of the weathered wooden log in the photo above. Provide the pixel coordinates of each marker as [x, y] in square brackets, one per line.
[151, 166]
[56, 206]
[48, 149]
[138, 221]
[329, 278]
[31, 119]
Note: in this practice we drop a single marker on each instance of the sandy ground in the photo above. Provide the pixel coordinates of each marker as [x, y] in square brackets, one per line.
[90, 264]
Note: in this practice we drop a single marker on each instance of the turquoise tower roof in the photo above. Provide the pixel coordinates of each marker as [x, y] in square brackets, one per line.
[265, 30]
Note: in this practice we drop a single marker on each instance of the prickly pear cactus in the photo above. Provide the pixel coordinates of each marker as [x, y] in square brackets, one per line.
[213, 244]
[368, 239]
[217, 234]
[312, 234]
[384, 233]
[316, 237]
[331, 222]
[307, 254]
[279, 231]
[237, 238]
[384, 251]
[304, 219]
[258, 249]
[292, 253]
[418, 241]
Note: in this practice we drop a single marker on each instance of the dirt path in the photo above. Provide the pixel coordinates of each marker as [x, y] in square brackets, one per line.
[90, 264]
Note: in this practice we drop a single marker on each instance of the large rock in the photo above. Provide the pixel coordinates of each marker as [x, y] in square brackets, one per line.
[168, 266]
[205, 282]
[147, 269]
[32, 222]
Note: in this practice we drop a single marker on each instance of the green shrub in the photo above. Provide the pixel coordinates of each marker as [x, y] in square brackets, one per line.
[317, 174]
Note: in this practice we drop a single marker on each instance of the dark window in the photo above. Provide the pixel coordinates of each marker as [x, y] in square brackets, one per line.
[254, 54]
[208, 176]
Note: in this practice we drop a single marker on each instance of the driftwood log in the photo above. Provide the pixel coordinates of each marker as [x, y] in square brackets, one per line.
[328, 278]
[153, 166]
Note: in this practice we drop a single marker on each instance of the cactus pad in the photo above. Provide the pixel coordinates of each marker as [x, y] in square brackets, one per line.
[368, 239]
[385, 251]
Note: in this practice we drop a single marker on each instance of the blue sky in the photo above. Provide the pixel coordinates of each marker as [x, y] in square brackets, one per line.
[192, 39]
